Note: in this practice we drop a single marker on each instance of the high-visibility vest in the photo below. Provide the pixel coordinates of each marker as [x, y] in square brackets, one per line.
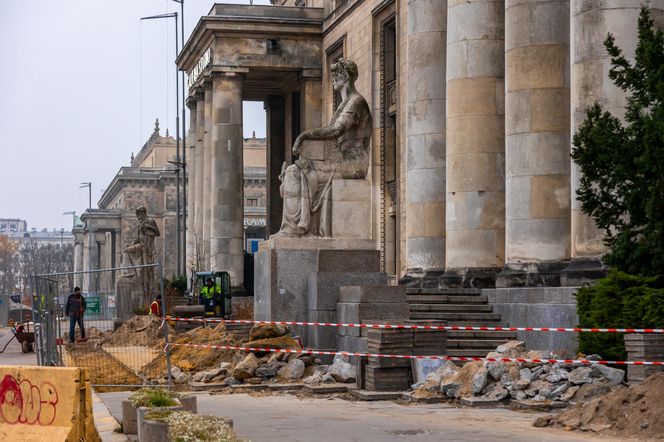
[155, 303]
[209, 292]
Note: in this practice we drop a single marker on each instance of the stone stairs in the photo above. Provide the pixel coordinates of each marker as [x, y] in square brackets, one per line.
[459, 306]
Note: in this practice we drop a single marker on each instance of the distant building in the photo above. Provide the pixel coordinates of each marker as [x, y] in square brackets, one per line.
[255, 194]
[17, 230]
[9, 225]
[150, 181]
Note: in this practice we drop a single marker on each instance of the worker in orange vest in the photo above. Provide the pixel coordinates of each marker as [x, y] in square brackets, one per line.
[155, 307]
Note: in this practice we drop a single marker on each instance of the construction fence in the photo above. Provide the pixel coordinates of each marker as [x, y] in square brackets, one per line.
[118, 340]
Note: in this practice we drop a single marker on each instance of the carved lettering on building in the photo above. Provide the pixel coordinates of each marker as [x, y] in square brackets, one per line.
[203, 63]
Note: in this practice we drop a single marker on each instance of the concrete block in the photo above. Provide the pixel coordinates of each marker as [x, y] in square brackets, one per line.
[349, 312]
[322, 337]
[352, 344]
[351, 209]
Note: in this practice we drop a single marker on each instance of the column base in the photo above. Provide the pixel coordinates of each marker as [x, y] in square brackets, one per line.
[419, 278]
[531, 274]
[581, 271]
[473, 278]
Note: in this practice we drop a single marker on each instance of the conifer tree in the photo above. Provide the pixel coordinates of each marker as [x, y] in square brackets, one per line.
[622, 162]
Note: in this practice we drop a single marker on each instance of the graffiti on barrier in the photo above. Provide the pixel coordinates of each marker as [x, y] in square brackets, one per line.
[22, 402]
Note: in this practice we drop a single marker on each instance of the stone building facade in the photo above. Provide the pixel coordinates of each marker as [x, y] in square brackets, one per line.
[474, 106]
[149, 181]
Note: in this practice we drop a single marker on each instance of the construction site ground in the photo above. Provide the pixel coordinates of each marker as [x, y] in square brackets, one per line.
[285, 417]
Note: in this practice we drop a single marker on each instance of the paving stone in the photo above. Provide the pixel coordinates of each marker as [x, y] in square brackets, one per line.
[201, 386]
[479, 402]
[249, 387]
[285, 387]
[365, 395]
[423, 400]
[326, 388]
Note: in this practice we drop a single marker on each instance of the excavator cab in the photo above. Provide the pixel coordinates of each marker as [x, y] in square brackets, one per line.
[216, 298]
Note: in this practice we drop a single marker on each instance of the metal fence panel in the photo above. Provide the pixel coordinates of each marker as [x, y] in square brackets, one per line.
[118, 344]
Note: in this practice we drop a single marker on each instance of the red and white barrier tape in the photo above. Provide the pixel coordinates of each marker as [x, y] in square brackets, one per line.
[444, 358]
[426, 327]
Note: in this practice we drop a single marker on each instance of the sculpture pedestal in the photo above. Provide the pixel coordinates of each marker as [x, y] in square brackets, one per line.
[129, 297]
[351, 209]
[283, 265]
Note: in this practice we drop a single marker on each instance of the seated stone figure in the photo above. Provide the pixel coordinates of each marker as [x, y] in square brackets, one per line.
[306, 184]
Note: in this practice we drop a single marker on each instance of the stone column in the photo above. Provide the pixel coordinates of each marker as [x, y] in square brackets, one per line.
[79, 244]
[276, 149]
[198, 179]
[537, 140]
[425, 148]
[207, 170]
[191, 186]
[591, 21]
[475, 218]
[226, 233]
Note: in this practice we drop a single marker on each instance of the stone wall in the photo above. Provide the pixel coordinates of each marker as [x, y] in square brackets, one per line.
[538, 307]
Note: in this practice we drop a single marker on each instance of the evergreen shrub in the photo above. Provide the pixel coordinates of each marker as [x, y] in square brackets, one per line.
[620, 300]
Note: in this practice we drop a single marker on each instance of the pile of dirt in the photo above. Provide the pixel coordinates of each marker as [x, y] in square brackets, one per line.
[634, 412]
[142, 330]
[193, 359]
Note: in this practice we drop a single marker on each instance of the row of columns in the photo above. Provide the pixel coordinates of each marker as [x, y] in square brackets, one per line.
[215, 212]
[496, 154]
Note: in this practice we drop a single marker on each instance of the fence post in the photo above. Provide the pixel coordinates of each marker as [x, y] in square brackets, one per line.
[167, 349]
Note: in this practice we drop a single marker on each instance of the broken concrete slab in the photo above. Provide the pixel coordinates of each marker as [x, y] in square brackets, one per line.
[529, 404]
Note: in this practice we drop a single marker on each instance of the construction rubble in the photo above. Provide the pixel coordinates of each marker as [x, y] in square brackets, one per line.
[525, 385]
[198, 365]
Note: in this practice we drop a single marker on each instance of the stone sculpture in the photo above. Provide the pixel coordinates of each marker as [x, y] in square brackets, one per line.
[340, 150]
[141, 251]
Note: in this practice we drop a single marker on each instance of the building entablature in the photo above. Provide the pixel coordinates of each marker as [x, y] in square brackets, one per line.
[247, 40]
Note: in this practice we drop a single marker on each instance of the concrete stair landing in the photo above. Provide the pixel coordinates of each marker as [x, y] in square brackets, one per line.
[464, 307]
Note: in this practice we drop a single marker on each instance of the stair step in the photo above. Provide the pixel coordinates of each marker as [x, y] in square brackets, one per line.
[455, 317]
[442, 299]
[468, 308]
[465, 334]
[433, 291]
[490, 344]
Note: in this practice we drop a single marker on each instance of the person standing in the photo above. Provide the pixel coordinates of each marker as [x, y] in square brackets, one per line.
[74, 310]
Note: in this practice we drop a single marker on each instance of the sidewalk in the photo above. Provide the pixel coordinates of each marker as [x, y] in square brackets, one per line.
[286, 418]
[13, 354]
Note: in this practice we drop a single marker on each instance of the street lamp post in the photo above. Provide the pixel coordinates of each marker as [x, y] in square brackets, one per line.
[183, 257]
[89, 225]
[178, 236]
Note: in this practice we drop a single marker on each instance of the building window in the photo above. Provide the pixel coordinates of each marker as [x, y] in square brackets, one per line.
[252, 201]
[334, 53]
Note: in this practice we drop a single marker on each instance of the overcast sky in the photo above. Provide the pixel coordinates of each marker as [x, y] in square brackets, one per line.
[81, 83]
